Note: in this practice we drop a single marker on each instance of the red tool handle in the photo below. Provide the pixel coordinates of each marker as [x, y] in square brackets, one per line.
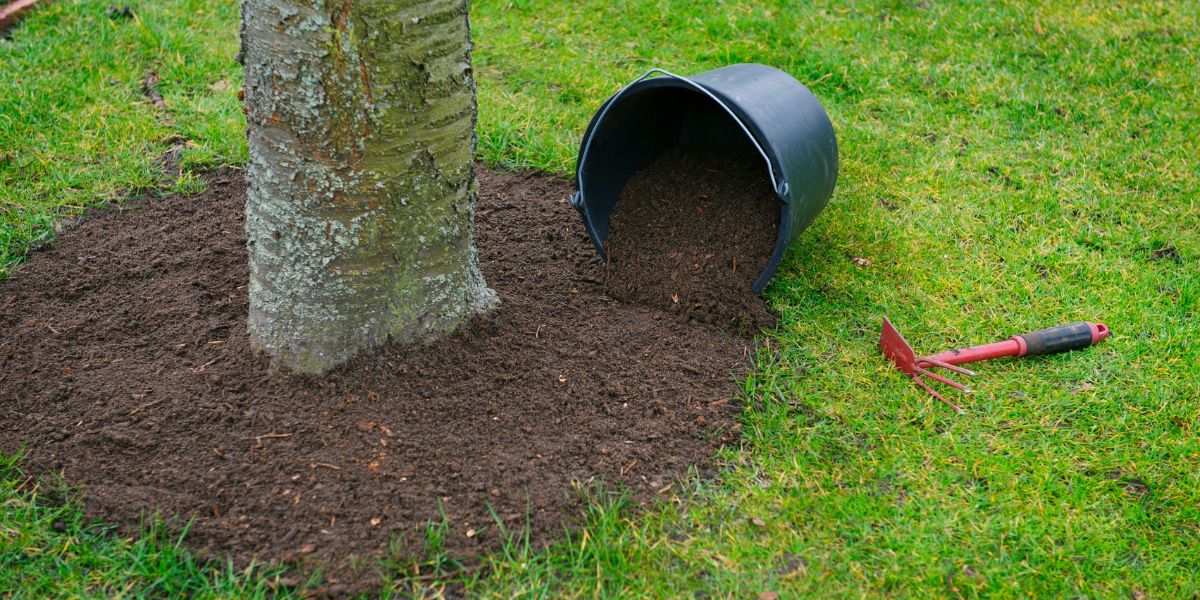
[1043, 341]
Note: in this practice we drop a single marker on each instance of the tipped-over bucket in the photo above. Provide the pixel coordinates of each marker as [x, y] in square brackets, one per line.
[735, 108]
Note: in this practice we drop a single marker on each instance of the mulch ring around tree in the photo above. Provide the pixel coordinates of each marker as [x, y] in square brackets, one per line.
[125, 365]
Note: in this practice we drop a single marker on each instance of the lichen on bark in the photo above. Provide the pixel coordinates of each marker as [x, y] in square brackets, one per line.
[360, 205]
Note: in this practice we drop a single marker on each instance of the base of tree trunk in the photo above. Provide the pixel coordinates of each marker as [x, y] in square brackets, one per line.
[361, 132]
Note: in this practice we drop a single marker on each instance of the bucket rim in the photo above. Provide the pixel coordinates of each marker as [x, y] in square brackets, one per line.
[805, 146]
[778, 180]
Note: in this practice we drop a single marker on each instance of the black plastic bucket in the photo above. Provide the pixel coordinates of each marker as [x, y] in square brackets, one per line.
[739, 107]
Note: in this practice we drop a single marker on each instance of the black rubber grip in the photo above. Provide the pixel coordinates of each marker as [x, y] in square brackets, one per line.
[1058, 339]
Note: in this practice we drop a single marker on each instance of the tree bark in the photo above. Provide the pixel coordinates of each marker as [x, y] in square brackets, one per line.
[360, 206]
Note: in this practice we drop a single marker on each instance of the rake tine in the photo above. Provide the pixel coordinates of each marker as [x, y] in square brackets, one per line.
[937, 395]
[944, 380]
[946, 365]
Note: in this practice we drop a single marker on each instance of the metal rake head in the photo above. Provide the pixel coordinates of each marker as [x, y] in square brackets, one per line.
[901, 354]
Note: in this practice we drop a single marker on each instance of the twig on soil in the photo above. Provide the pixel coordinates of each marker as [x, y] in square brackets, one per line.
[628, 467]
[325, 465]
[52, 329]
[147, 405]
[201, 368]
[270, 436]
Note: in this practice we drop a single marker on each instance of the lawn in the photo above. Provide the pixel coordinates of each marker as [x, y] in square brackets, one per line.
[1004, 167]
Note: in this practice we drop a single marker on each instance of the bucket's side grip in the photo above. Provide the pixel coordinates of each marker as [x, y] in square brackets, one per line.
[781, 187]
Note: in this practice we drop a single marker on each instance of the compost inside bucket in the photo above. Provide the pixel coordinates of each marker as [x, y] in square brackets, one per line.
[691, 232]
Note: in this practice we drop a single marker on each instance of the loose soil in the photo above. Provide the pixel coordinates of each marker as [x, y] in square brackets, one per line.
[691, 233]
[124, 364]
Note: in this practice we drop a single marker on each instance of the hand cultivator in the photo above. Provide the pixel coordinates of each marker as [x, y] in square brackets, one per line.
[1043, 341]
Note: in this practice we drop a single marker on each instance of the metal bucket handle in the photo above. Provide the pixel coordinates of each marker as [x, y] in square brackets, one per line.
[781, 187]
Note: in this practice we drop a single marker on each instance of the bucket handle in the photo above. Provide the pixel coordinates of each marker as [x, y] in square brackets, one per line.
[781, 187]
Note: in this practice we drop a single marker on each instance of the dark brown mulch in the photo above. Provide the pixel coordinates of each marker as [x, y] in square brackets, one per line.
[691, 233]
[124, 363]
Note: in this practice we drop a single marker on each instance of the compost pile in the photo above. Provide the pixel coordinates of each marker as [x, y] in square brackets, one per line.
[691, 233]
[125, 366]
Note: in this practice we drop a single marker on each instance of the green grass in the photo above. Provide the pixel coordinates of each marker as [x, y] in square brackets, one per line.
[75, 126]
[47, 549]
[1005, 167]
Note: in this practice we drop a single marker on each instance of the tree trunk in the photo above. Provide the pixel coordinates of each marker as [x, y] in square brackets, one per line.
[360, 207]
